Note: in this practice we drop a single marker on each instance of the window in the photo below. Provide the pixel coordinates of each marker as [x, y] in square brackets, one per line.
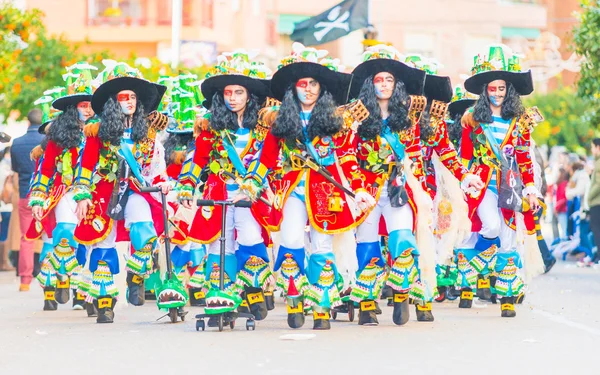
[165, 12]
[206, 13]
[117, 12]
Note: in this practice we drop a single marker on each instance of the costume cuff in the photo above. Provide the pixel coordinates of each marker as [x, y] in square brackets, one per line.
[37, 198]
[81, 192]
[185, 192]
[531, 189]
[252, 188]
[467, 179]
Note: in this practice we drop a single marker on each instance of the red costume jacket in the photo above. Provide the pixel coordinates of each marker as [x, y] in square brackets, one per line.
[479, 155]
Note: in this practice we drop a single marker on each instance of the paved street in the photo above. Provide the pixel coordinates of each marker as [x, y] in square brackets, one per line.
[557, 330]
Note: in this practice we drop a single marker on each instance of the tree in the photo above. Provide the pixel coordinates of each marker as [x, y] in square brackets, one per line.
[586, 35]
[31, 60]
[565, 121]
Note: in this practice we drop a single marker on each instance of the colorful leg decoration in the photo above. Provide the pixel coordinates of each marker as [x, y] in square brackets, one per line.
[322, 294]
[139, 264]
[104, 264]
[197, 284]
[47, 275]
[508, 284]
[483, 263]
[466, 281]
[292, 280]
[254, 274]
[369, 281]
[63, 258]
[402, 246]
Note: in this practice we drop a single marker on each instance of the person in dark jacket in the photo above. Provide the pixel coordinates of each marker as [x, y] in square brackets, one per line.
[24, 167]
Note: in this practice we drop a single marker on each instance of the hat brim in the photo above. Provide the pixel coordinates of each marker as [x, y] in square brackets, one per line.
[460, 106]
[336, 83]
[413, 78]
[438, 88]
[522, 82]
[147, 92]
[212, 85]
[62, 103]
[42, 128]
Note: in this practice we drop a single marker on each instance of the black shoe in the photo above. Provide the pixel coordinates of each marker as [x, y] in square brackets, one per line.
[105, 306]
[295, 310]
[466, 299]
[256, 302]
[550, 264]
[390, 302]
[519, 299]
[507, 307]
[367, 313]
[386, 292]
[424, 313]
[136, 289]
[401, 312]
[50, 303]
[62, 290]
[91, 310]
[321, 321]
[484, 292]
[377, 308]
[494, 297]
[269, 300]
[78, 301]
[37, 266]
[197, 297]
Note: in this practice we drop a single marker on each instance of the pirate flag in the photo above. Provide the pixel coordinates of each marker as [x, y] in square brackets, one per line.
[332, 24]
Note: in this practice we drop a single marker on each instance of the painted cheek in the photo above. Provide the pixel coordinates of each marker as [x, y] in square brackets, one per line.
[495, 100]
[125, 108]
[82, 114]
[302, 96]
[228, 105]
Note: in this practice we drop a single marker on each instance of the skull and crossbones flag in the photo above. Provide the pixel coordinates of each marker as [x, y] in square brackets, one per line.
[332, 24]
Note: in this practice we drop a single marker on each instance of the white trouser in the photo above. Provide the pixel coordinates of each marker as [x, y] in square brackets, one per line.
[64, 212]
[492, 223]
[295, 217]
[396, 218]
[247, 230]
[137, 210]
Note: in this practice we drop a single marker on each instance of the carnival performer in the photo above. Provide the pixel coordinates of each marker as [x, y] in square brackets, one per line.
[461, 101]
[187, 255]
[496, 146]
[51, 195]
[120, 156]
[446, 177]
[234, 91]
[308, 131]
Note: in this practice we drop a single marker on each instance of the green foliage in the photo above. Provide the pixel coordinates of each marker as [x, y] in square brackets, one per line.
[565, 121]
[586, 35]
[32, 60]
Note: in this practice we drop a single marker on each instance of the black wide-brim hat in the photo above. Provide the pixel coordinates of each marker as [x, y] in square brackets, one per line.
[438, 88]
[42, 128]
[148, 93]
[62, 103]
[521, 81]
[413, 78]
[460, 106]
[214, 84]
[336, 83]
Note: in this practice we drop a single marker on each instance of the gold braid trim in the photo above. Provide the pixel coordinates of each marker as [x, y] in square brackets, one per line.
[91, 130]
[353, 114]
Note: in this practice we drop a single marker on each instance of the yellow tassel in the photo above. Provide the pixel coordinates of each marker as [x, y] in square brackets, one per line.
[91, 130]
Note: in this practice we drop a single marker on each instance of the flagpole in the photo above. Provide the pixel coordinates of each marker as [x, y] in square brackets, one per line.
[176, 19]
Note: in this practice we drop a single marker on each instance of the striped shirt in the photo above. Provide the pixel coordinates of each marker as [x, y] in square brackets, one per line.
[499, 128]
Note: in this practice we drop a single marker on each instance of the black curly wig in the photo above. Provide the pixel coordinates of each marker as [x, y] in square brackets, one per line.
[113, 122]
[511, 106]
[222, 118]
[425, 128]
[176, 142]
[455, 130]
[323, 120]
[65, 130]
[398, 110]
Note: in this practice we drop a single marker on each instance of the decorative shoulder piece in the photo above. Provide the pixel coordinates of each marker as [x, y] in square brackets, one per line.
[353, 114]
[91, 129]
[529, 119]
[417, 105]
[157, 121]
[438, 109]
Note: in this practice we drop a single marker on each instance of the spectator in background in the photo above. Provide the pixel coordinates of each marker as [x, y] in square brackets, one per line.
[593, 199]
[560, 205]
[6, 192]
[576, 189]
[24, 166]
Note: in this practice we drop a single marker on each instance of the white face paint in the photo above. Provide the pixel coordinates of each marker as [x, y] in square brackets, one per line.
[128, 101]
